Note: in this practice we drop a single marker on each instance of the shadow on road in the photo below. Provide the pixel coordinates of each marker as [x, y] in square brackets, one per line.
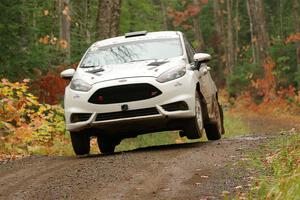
[196, 144]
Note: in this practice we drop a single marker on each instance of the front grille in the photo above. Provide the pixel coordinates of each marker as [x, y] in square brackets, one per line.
[181, 105]
[127, 114]
[124, 93]
[80, 117]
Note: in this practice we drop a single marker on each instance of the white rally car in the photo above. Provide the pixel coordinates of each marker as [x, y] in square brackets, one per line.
[140, 83]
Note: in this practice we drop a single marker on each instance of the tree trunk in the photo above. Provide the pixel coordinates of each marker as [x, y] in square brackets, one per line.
[219, 35]
[297, 28]
[65, 25]
[197, 30]
[253, 46]
[87, 20]
[237, 30]
[108, 18]
[230, 42]
[164, 14]
[260, 37]
[116, 18]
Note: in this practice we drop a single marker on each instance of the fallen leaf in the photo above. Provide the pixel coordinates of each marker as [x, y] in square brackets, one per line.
[225, 193]
[238, 187]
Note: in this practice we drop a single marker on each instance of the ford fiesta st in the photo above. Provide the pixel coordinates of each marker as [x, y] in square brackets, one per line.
[140, 83]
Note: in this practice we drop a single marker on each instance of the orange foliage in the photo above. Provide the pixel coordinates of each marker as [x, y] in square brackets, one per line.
[284, 100]
[46, 40]
[51, 87]
[266, 87]
[63, 44]
[181, 17]
[278, 105]
[24, 122]
[293, 38]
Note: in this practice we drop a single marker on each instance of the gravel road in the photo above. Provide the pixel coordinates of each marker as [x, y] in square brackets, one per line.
[201, 170]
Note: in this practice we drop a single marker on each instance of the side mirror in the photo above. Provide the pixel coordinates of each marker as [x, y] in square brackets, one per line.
[67, 74]
[202, 57]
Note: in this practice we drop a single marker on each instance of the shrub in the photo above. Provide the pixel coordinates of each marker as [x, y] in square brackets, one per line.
[25, 124]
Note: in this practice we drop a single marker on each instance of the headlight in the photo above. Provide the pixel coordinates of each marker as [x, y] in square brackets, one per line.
[171, 74]
[80, 85]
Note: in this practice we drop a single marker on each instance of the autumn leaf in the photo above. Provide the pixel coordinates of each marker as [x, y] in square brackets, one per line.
[44, 40]
[46, 12]
[293, 38]
[66, 10]
[53, 40]
[63, 44]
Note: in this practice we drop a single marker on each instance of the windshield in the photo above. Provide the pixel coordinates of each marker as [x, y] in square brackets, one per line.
[132, 52]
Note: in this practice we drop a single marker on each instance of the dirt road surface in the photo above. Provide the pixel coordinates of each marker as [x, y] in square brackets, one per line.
[201, 170]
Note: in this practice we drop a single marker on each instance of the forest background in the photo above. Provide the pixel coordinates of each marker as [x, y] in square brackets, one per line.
[247, 38]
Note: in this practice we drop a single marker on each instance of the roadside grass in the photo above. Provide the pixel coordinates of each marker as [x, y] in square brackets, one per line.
[235, 125]
[152, 139]
[278, 166]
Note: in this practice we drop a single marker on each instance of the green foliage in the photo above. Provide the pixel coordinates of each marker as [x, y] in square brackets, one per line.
[239, 81]
[22, 24]
[235, 125]
[137, 15]
[29, 31]
[286, 64]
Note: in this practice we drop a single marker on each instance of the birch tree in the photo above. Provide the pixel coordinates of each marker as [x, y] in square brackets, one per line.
[259, 34]
[65, 28]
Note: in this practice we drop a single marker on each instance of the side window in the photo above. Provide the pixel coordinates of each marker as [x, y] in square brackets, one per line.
[189, 50]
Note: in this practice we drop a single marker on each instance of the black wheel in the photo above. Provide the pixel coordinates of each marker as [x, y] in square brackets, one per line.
[106, 145]
[80, 142]
[215, 129]
[222, 119]
[194, 126]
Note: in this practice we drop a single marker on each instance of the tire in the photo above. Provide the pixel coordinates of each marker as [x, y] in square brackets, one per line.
[194, 126]
[106, 145]
[80, 142]
[222, 119]
[214, 130]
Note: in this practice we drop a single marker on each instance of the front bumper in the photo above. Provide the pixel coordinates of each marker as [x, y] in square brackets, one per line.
[179, 90]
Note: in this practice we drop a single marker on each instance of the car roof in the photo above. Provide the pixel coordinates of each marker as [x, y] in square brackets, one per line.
[147, 36]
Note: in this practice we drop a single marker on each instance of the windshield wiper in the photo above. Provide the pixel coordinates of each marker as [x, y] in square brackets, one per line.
[88, 66]
[93, 71]
[143, 60]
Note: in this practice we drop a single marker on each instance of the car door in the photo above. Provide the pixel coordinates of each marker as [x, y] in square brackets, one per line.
[207, 85]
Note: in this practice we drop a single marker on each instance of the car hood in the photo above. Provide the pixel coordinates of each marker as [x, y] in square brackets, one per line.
[148, 68]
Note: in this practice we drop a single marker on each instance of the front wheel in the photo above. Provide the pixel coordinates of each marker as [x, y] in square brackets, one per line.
[194, 126]
[215, 129]
[80, 142]
[106, 145]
